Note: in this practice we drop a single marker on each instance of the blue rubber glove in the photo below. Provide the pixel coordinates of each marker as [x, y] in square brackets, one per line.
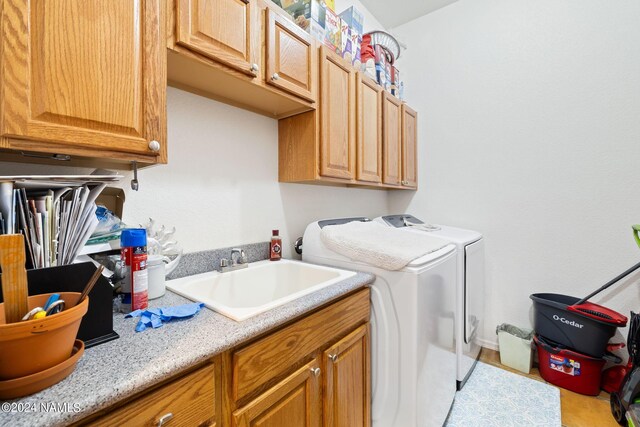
[155, 317]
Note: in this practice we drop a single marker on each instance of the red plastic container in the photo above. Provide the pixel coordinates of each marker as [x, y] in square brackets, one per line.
[569, 369]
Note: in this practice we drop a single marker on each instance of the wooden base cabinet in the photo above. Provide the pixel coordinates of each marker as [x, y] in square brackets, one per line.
[312, 372]
[84, 78]
[296, 401]
[187, 401]
[347, 400]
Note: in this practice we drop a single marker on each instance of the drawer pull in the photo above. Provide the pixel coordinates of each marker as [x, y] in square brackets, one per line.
[165, 419]
[315, 371]
[333, 357]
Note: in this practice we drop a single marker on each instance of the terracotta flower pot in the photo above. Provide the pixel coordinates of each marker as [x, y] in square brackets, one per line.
[32, 346]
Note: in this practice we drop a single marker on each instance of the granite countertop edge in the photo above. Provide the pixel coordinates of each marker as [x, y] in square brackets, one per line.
[138, 361]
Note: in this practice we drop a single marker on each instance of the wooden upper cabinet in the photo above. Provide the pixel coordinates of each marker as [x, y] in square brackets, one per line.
[290, 59]
[391, 139]
[221, 30]
[295, 401]
[83, 74]
[369, 132]
[337, 116]
[409, 147]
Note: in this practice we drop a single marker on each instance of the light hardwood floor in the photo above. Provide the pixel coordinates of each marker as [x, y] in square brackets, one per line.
[577, 410]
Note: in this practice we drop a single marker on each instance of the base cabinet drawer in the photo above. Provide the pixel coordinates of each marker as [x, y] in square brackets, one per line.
[188, 401]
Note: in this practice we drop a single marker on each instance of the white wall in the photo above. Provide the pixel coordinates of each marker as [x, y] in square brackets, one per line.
[221, 187]
[529, 131]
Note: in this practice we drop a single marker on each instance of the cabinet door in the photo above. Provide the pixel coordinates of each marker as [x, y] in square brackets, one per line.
[289, 56]
[369, 134]
[218, 29]
[337, 116]
[391, 139]
[409, 147]
[347, 381]
[296, 401]
[84, 73]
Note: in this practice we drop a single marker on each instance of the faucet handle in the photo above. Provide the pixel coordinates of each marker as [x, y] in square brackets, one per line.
[224, 262]
[243, 258]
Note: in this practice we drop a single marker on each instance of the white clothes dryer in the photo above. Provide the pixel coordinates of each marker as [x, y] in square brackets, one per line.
[469, 288]
[413, 361]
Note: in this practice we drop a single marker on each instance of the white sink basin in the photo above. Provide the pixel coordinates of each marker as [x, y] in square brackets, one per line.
[261, 286]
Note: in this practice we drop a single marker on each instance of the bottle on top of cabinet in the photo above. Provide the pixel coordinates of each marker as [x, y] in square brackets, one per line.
[276, 246]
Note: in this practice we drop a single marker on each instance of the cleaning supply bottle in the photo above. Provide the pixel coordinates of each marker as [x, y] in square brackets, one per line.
[135, 285]
[276, 246]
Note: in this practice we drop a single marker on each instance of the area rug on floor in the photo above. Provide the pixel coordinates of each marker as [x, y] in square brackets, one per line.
[493, 397]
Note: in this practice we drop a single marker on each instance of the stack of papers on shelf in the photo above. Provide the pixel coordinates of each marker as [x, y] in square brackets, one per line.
[56, 214]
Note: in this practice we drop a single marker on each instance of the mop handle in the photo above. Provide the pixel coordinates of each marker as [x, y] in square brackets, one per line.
[608, 284]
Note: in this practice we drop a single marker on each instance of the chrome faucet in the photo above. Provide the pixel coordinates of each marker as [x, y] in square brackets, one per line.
[238, 262]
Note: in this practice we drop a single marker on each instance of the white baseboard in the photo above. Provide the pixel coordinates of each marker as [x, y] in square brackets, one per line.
[490, 344]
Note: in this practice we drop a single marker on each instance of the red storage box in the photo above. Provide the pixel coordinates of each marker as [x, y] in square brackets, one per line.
[569, 369]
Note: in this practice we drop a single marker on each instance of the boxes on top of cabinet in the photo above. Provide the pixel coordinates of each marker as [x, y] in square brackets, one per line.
[352, 24]
[305, 12]
[333, 31]
[345, 40]
[354, 19]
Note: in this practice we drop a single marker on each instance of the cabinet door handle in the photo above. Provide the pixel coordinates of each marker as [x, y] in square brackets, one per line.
[255, 68]
[333, 357]
[165, 419]
[154, 146]
[275, 76]
[315, 371]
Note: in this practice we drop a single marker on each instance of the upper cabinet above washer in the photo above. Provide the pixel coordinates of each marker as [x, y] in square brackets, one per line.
[409, 147]
[85, 78]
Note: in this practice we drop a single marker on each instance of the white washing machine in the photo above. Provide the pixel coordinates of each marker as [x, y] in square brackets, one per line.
[413, 362]
[469, 289]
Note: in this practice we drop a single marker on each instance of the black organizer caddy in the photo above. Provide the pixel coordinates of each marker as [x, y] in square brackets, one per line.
[97, 325]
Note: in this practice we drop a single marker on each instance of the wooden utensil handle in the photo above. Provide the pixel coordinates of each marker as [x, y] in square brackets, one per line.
[14, 277]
